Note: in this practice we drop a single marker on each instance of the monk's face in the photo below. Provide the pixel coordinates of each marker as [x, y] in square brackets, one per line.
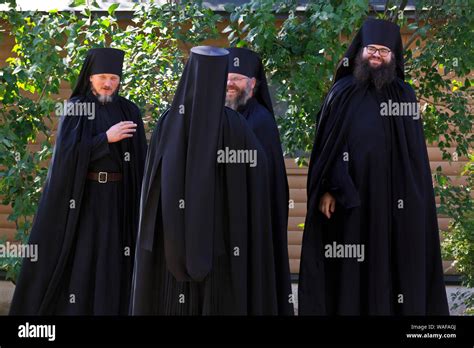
[377, 55]
[105, 84]
[237, 83]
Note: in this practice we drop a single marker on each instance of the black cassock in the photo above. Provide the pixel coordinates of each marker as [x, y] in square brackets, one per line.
[377, 168]
[258, 111]
[86, 230]
[205, 243]
[263, 124]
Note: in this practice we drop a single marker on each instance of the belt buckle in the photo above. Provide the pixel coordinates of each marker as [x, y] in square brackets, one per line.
[102, 181]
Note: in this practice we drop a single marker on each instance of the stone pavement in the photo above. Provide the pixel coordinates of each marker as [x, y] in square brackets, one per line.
[6, 294]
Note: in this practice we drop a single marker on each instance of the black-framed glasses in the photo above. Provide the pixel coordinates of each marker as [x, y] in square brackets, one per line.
[235, 79]
[382, 51]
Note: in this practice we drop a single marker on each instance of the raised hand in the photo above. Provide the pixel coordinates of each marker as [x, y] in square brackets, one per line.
[120, 131]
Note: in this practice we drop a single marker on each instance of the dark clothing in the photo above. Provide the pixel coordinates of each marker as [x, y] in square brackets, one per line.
[378, 170]
[241, 281]
[205, 242]
[376, 166]
[86, 230]
[263, 124]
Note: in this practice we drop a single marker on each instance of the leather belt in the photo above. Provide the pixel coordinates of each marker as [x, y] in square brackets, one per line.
[104, 177]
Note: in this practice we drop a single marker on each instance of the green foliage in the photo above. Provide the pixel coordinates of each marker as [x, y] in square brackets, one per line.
[463, 298]
[458, 243]
[440, 74]
[459, 246]
[439, 65]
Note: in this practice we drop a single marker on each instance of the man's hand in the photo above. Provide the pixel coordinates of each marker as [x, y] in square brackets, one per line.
[121, 131]
[327, 204]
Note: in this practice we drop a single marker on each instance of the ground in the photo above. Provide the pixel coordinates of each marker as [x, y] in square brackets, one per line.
[7, 288]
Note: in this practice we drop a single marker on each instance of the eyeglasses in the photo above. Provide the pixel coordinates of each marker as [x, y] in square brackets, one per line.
[383, 51]
[237, 79]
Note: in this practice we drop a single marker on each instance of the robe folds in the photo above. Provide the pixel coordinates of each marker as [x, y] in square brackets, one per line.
[377, 169]
[205, 242]
[82, 228]
[263, 125]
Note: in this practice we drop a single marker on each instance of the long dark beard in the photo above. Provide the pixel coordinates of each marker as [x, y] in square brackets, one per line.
[379, 76]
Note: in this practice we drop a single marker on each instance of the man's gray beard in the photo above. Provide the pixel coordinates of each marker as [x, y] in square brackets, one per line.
[240, 100]
[103, 98]
[379, 76]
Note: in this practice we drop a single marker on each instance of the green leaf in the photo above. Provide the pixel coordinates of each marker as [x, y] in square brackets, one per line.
[112, 8]
[77, 3]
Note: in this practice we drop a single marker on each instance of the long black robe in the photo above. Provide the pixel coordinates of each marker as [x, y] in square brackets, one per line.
[82, 249]
[371, 164]
[263, 124]
[214, 254]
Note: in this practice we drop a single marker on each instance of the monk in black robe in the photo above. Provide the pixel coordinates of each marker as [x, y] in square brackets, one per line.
[87, 219]
[205, 243]
[247, 93]
[371, 240]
